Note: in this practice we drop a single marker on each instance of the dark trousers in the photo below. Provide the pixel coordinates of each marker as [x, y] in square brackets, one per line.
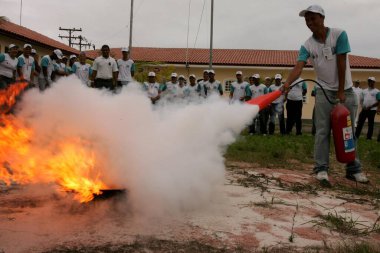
[313, 130]
[364, 114]
[294, 116]
[259, 121]
[103, 83]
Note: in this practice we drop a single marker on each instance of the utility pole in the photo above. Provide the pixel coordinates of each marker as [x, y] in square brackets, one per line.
[211, 32]
[80, 44]
[130, 30]
[20, 12]
[70, 37]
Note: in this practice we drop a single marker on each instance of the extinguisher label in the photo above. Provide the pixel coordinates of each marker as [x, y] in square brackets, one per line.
[348, 120]
[348, 138]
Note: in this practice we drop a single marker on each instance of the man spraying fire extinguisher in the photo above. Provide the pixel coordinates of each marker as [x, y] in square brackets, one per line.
[327, 49]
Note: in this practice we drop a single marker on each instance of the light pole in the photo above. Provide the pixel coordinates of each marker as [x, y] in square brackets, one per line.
[130, 29]
[211, 32]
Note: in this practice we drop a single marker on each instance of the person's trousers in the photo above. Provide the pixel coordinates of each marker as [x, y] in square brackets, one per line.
[323, 129]
[366, 114]
[294, 116]
[277, 110]
[103, 83]
[258, 121]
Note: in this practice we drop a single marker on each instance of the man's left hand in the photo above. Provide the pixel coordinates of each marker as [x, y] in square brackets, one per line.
[341, 96]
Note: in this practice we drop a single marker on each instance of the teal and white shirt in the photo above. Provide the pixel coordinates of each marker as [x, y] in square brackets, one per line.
[125, 69]
[7, 65]
[279, 100]
[323, 57]
[258, 90]
[370, 97]
[47, 62]
[152, 89]
[295, 93]
[82, 71]
[202, 90]
[27, 66]
[192, 91]
[213, 88]
[240, 90]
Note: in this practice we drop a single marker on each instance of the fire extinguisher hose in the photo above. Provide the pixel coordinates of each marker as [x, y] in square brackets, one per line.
[320, 86]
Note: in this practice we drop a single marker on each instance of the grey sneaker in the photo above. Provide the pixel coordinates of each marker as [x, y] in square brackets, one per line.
[323, 179]
[358, 177]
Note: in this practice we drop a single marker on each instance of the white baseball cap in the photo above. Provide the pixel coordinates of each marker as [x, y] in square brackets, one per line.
[239, 73]
[211, 71]
[27, 45]
[151, 74]
[372, 78]
[12, 46]
[124, 49]
[267, 78]
[257, 76]
[58, 53]
[174, 75]
[73, 56]
[34, 51]
[206, 71]
[181, 76]
[192, 75]
[278, 76]
[313, 8]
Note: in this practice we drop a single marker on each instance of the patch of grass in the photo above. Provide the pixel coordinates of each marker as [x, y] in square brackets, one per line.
[362, 247]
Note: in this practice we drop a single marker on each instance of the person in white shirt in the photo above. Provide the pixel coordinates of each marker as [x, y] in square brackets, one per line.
[126, 68]
[82, 69]
[47, 66]
[369, 100]
[257, 89]
[192, 90]
[104, 70]
[169, 89]
[213, 86]
[203, 82]
[25, 66]
[294, 104]
[358, 92]
[277, 107]
[180, 92]
[152, 88]
[240, 90]
[37, 68]
[8, 65]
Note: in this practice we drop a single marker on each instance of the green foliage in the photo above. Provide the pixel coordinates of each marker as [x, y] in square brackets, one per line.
[162, 72]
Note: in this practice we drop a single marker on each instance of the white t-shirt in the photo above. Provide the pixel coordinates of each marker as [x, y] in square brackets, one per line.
[104, 67]
[47, 62]
[370, 97]
[82, 71]
[358, 92]
[7, 65]
[272, 88]
[27, 65]
[152, 89]
[239, 90]
[213, 88]
[191, 91]
[125, 69]
[295, 93]
[258, 90]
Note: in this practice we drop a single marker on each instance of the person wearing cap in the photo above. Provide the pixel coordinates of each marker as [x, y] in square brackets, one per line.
[126, 68]
[327, 50]
[201, 83]
[369, 100]
[37, 68]
[192, 90]
[257, 89]
[180, 92]
[169, 89]
[240, 90]
[152, 88]
[213, 86]
[82, 69]
[72, 61]
[47, 66]
[61, 68]
[358, 92]
[277, 107]
[8, 66]
[294, 104]
[104, 70]
[25, 66]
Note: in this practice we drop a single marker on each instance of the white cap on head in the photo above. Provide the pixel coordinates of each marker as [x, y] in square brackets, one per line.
[34, 51]
[181, 76]
[257, 76]
[267, 78]
[27, 45]
[124, 49]
[174, 75]
[211, 71]
[313, 8]
[151, 73]
[206, 71]
[239, 73]
[12, 46]
[58, 53]
[372, 78]
[192, 75]
[73, 56]
[278, 76]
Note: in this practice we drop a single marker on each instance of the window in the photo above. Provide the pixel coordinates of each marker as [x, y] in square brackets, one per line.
[227, 85]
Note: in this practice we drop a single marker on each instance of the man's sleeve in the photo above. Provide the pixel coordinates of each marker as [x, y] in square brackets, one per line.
[266, 90]
[133, 67]
[74, 68]
[2, 57]
[303, 54]
[44, 62]
[95, 66]
[378, 96]
[248, 91]
[304, 86]
[342, 44]
[33, 66]
[115, 68]
[20, 62]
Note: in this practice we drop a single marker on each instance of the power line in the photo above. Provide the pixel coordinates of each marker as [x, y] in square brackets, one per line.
[70, 37]
[200, 22]
[187, 39]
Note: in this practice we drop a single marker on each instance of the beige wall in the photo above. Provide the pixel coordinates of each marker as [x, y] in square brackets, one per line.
[225, 73]
[6, 41]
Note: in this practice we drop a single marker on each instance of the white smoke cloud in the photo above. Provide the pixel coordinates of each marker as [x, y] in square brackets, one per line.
[169, 157]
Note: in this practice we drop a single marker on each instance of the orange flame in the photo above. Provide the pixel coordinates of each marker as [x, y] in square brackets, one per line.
[70, 163]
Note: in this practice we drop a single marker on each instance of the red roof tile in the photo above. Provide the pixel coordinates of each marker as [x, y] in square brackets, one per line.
[23, 33]
[241, 57]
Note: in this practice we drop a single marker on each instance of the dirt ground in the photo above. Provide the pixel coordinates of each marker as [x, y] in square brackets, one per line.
[257, 209]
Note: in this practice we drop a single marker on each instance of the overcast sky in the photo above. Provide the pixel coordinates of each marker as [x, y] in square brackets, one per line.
[242, 24]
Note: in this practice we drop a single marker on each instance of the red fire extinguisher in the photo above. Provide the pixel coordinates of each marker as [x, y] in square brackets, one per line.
[342, 133]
